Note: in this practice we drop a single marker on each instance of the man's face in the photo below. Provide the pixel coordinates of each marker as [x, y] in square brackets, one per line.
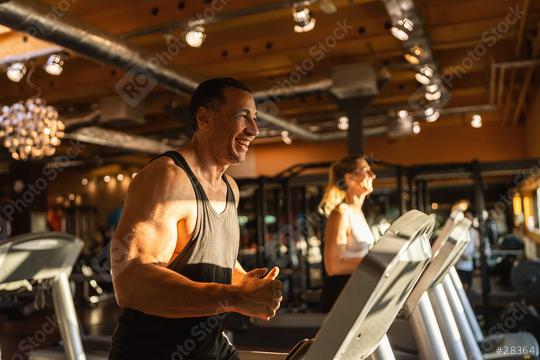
[232, 126]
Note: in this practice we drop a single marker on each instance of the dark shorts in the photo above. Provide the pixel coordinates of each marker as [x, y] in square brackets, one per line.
[144, 350]
[332, 286]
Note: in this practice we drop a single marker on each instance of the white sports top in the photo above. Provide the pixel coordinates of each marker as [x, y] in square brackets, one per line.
[360, 240]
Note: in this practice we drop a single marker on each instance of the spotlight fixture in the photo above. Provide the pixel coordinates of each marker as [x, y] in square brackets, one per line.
[285, 137]
[120, 177]
[411, 59]
[432, 117]
[304, 20]
[422, 79]
[133, 175]
[429, 111]
[84, 181]
[476, 121]
[427, 71]
[195, 36]
[343, 123]
[402, 114]
[107, 178]
[16, 71]
[433, 96]
[416, 128]
[432, 88]
[54, 64]
[417, 50]
[402, 29]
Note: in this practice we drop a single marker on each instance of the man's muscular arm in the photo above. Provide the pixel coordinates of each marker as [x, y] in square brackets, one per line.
[158, 198]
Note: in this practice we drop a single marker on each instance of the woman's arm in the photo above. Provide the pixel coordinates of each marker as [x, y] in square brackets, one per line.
[337, 259]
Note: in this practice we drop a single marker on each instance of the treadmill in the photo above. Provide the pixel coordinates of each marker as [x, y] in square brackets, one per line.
[416, 333]
[356, 326]
[46, 258]
[449, 306]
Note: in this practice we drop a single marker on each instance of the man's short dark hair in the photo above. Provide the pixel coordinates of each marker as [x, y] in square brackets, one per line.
[209, 94]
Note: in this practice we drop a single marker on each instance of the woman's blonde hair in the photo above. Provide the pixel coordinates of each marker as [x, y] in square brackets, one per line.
[336, 189]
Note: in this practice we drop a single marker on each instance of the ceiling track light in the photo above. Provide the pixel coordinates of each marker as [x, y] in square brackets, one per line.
[426, 70]
[16, 71]
[195, 36]
[417, 50]
[285, 137]
[402, 29]
[411, 59]
[422, 79]
[416, 127]
[432, 88]
[343, 123]
[429, 111]
[402, 114]
[55, 64]
[303, 18]
[476, 121]
[432, 117]
[433, 96]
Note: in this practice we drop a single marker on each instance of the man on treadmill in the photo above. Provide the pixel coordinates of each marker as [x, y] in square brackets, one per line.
[174, 252]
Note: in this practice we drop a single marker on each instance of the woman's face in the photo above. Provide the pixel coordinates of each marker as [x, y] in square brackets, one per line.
[360, 181]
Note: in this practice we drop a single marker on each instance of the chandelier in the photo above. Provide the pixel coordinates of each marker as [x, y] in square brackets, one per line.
[30, 129]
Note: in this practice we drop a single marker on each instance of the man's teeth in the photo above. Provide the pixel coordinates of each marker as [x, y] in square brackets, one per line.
[243, 143]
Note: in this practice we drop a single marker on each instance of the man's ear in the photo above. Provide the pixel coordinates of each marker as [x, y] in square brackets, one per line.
[203, 117]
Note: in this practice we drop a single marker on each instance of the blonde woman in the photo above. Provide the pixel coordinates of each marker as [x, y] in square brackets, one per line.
[348, 237]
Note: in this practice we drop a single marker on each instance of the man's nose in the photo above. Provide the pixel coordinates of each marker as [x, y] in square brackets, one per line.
[252, 128]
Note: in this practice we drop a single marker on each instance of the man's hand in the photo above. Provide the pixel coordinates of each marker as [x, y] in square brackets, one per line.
[259, 293]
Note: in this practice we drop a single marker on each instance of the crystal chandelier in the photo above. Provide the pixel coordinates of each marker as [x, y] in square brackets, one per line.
[30, 129]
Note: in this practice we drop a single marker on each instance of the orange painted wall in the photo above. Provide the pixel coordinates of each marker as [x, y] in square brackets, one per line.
[436, 143]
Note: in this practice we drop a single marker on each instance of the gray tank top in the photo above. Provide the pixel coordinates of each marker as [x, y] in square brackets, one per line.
[209, 256]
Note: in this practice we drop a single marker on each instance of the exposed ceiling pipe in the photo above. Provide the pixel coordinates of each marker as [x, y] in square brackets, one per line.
[300, 131]
[117, 139]
[32, 17]
[81, 120]
[283, 91]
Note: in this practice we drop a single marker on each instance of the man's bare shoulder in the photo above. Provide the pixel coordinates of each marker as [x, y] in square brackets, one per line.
[162, 178]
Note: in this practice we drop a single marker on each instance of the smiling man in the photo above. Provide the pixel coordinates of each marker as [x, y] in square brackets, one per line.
[174, 253]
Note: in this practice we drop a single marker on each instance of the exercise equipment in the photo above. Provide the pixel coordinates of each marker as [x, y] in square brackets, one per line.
[419, 329]
[357, 324]
[461, 333]
[46, 258]
[525, 279]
